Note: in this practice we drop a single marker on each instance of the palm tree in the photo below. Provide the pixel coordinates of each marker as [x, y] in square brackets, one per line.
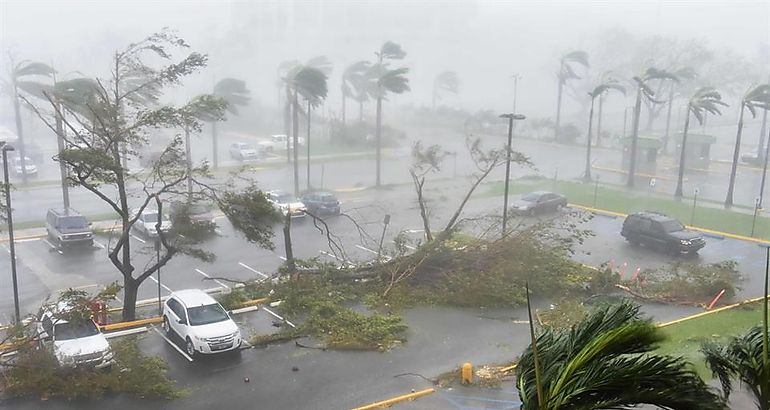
[285, 70]
[757, 97]
[235, 93]
[643, 91]
[705, 100]
[446, 81]
[608, 361]
[310, 83]
[599, 91]
[745, 357]
[353, 80]
[567, 72]
[684, 73]
[22, 78]
[386, 80]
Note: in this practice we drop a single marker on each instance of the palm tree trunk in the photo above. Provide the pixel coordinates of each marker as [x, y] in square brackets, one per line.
[666, 137]
[287, 118]
[214, 147]
[343, 109]
[295, 139]
[634, 139]
[360, 111]
[599, 122]
[736, 153]
[60, 135]
[378, 136]
[188, 158]
[587, 173]
[558, 111]
[682, 153]
[20, 133]
[307, 141]
[762, 141]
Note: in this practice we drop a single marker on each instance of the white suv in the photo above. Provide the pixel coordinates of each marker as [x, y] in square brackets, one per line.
[76, 343]
[204, 324]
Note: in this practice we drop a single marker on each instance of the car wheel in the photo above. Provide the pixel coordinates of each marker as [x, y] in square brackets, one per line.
[166, 326]
[190, 347]
[58, 244]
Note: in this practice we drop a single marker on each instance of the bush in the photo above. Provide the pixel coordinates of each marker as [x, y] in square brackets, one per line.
[687, 282]
[341, 327]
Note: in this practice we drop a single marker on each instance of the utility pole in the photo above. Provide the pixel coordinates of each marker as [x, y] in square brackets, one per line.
[510, 118]
[5, 149]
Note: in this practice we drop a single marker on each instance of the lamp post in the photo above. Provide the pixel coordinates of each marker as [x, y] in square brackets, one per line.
[5, 149]
[510, 117]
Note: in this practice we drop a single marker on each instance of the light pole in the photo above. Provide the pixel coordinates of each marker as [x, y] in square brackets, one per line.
[385, 222]
[764, 170]
[516, 78]
[5, 149]
[510, 117]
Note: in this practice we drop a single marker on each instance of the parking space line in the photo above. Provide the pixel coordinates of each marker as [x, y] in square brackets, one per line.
[283, 258]
[207, 275]
[53, 247]
[252, 269]
[182, 352]
[248, 345]
[331, 255]
[385, 257]
[138, 238]
[27, 240]
[414, 231]
[97, 243]
[278, 316]
[162, 285]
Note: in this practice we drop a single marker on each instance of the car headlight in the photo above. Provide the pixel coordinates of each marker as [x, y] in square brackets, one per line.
[685, 242]
[200, 339]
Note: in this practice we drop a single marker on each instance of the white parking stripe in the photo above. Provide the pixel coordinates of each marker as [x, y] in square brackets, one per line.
[252, 269]
[279, 317]
[283, 258]
[207, 275]
[162, 285]
[97, 243]
[27, 240]
[138, 238]
[182, 352]
[331, 255]
[414, 231]
[53, 247]
[366, 249]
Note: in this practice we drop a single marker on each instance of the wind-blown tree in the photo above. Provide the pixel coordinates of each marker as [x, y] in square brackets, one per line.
[705, 100]
[683, 74]
[643, 92]
[354, 84]
[597, 92]
[22, 78]
[608, 361]
[746, 357]
[386, 80]
[567, 66]
[125, 110]
[284, 71]
[446, 81]
[235, 93]
[755, 98]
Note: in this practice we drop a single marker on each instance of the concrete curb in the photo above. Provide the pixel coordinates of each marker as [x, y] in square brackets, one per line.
[710, 312]
[397, 399]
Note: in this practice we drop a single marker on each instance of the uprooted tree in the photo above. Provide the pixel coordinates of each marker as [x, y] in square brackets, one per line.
[108, 120]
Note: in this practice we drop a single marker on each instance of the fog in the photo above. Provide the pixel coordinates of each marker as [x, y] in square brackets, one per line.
[485, 42]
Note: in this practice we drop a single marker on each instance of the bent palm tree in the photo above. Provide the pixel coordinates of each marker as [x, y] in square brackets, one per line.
[352, 82]
[285, 71]
[567, 72]
[705, 100]
[235, 93]
[446, 81]
[21, 78]
[684, 73]
[607, 361]
[310, 83]
[643, 91]
[757, 97]
[599, 91]
[393, 81]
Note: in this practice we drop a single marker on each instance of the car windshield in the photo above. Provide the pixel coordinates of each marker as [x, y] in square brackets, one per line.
[246, 146]
[530, 197]
[203, 315]
[286, 199]
[328, 198]
[672, 225]
[75, 330]
[73, 222]
[196, 209]
[150, 217]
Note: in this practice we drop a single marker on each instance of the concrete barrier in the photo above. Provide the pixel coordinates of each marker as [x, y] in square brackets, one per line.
[397, 399]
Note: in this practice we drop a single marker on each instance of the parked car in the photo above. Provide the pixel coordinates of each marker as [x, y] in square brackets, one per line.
[285, 203]
[278, 142]
[67, 227]
[539, 202]
[244, 152]
[33, 151]
[73, 343]
[199, 320]
[29, 165]
[197, 211]
[147, 221]
[660, 232]
[321, 203]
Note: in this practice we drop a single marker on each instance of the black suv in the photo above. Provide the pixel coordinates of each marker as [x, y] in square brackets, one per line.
[321, 203]
[660, 232]
[66, 227]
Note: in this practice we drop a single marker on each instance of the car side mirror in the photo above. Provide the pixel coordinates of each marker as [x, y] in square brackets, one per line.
[182, 322]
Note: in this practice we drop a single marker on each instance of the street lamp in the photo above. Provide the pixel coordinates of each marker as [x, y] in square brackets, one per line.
[510, 117]
[5, 149]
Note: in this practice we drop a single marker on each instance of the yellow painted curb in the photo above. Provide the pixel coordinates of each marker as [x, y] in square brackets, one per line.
[254, 302]
[709, 312]
[639, 174]
[597, 210]
[394, 400]
[23, 238]
[508, 369]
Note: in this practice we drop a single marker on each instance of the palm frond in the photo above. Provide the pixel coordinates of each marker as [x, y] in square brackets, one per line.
[233, 91]
[447, 81]
[577, 56]
[392, 51]
[26, 68]
[394, 81]
[653, 73]
[310, 83]
[322, 63]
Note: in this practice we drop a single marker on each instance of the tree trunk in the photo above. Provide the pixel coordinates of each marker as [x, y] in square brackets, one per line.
[378, 136]
[634, 139]
[63, 173]
[682, 152]
[19, 133]
[287, 118]
[587, 172]
[360, 111]
[130, 290]
[736, 153]
[287, 242]
[666, 136]
[307, 141]
[188, 161]
[295, 139]
[762, 141]
[557, 127]
[214, 147]
[344, 97]
[599, 122]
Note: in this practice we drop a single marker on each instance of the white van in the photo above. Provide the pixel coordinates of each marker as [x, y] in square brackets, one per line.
[203, 324]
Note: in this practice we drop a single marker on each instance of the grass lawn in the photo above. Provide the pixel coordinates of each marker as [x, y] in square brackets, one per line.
[685, 338]
[619, 200]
